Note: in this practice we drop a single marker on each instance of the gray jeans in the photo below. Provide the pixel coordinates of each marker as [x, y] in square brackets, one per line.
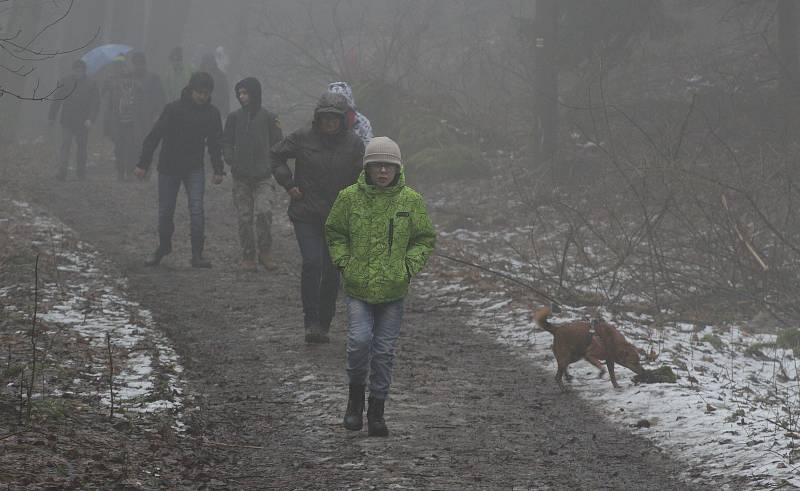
[372, 332]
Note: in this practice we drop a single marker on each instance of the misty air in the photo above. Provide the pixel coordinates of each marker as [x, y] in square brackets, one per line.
[399, 244]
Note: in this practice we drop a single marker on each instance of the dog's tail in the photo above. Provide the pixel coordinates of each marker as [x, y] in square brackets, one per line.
[540, 316]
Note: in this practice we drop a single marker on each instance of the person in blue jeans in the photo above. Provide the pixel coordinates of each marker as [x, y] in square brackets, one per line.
[380, 236]
[184, 130]
[327, 158]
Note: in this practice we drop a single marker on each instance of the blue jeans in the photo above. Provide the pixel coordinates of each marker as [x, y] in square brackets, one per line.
[372, 332]
[319, 279]
[194, 182]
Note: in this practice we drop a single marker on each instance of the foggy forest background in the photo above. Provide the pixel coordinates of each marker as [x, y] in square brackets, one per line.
[660, 134]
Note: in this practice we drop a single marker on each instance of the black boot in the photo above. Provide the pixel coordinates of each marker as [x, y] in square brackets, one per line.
[322, 334]
[312, 332]
[354, 416]
[198, 261]
[375, 423]
[156, 257]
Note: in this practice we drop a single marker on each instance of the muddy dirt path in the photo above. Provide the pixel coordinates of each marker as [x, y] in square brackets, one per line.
[464, 413]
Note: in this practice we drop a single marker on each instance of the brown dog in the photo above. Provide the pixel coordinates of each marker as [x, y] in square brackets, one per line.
[592, 342]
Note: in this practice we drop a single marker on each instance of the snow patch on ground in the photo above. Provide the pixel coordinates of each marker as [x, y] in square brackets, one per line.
[93, 303]
[730, 413]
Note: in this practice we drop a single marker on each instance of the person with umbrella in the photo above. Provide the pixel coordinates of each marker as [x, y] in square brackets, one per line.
[104, 55]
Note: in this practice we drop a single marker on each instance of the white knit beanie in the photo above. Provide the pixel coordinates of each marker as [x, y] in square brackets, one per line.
[382, 149]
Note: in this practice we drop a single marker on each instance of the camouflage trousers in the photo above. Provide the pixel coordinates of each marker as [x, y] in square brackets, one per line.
[254, 200]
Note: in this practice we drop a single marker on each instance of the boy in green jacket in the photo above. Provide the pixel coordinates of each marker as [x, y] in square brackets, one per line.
[379, 235]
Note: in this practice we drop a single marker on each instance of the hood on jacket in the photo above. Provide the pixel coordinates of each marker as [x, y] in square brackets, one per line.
[333, 104]
[344, 89]
[201, 81]
[253, 88]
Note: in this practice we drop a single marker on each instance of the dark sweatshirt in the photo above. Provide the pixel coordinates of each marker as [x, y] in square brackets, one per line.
[186, 129]
[78, 100]
[249, 134]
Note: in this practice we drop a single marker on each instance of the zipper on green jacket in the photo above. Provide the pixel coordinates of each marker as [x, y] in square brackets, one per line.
[391, 234]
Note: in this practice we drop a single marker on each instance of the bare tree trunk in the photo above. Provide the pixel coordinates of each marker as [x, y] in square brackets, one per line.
[127, 23]
[86, 18]
[789, 96]
[788, 60]
[166, 24]
[236, 70]
[96, 18]
[546, 73]
[26, 21]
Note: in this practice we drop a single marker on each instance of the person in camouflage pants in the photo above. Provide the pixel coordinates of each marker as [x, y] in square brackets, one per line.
[254, 199]
[249, 134]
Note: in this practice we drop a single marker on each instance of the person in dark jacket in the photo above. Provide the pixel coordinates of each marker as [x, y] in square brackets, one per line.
[249, 134]
[135, 98]
[208, 64]
[327, 159]
[78, 101]
[184, 130]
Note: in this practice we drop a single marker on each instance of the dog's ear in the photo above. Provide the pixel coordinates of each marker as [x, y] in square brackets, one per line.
[541, 314]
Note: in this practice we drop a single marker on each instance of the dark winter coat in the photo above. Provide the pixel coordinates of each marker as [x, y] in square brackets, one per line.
[324, 165]
[185, 129]
[133, 104]
[78, 99]
[249, 134]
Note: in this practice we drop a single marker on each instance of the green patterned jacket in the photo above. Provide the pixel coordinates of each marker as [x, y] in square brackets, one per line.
[379, 238]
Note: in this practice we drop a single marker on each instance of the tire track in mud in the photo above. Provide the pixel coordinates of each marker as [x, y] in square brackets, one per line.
[464, 411]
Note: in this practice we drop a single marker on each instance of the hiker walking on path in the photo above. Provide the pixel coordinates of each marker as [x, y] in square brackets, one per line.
[208, 64]
[327, 159]
[184, 130]
[380, 237]
[135, 99]
[177, 74]
[355, 120]
[78, 100]
[250, 132]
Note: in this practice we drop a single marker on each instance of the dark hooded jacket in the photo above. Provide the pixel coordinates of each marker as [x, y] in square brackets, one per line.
[78, 100]
[324, 165]
[249, 134]
[184, 129]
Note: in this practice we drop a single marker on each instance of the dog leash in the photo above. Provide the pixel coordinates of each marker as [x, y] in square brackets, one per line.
[555, 305]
